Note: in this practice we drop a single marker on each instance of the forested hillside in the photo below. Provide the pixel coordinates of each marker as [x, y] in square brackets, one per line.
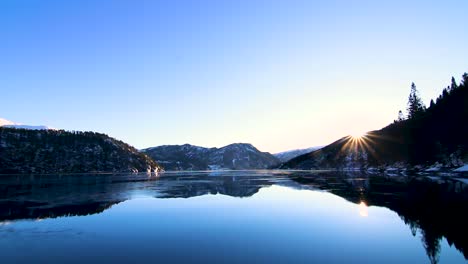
[58, 151]
[427, 136]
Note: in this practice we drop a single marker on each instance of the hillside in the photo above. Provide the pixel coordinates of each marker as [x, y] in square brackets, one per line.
[436, 136]
[58, 151]
[188, 157]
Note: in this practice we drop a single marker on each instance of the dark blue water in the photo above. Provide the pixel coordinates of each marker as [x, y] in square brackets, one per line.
[232, 217]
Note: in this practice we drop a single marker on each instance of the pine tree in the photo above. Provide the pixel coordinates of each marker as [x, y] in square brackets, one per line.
[464, 81]
[453, 85]
[415, 104]
[400, 116]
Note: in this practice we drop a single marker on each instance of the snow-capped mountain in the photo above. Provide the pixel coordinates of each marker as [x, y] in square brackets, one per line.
[291, 154]
[189, 157]
[11, 124]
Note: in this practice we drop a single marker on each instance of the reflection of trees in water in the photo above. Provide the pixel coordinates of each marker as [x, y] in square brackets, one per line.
[436, 209]
[431, 243]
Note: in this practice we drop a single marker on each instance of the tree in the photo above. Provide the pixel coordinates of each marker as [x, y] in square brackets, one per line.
[400, 116]
[453, 85]
[415, 104]
[464, 81]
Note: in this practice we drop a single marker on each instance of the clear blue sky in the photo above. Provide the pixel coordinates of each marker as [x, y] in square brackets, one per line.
[277, 74]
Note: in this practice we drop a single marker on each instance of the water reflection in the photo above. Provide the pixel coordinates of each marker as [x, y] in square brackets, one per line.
[433, 209]
[363, 209]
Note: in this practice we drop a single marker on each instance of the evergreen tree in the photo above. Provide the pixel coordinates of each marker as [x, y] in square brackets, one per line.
[400, 116]
[415, 104]
[464, 79]
[453, 85]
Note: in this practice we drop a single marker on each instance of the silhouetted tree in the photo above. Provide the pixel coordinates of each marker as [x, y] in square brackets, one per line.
[401, 117]
[415, 104]
[453, 85]
[464, 79]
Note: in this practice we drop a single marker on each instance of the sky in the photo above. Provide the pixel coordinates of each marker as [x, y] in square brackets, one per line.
[278, 74]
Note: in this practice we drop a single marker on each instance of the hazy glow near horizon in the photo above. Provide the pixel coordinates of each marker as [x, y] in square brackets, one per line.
[277, 74]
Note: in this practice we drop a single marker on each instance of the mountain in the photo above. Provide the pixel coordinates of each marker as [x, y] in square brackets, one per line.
[188, 157]
[11, 124]
[432, 137]
[290, 154]
[58, 151]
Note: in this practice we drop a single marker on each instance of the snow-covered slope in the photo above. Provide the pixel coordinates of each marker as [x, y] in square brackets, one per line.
[4, 122]
[291, 154]
[463, 168]
[11, 124]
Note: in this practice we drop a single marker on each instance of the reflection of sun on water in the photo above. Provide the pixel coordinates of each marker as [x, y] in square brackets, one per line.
[363, 209]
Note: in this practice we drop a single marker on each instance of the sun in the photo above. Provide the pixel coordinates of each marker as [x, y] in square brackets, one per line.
[358, 135]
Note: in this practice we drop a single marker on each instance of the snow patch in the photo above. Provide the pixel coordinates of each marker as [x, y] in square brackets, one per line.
[463, 168]
[435, 167]
[29, 127]
[11, 124]
[4, 122]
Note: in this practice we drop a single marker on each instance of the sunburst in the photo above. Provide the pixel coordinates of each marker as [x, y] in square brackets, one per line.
[358, 135]
[358, 142]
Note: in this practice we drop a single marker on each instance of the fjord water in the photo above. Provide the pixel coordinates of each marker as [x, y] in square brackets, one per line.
[232, 217]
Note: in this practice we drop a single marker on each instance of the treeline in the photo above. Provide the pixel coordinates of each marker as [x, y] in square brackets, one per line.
[438, 133]
[424, 136]
[54, 151]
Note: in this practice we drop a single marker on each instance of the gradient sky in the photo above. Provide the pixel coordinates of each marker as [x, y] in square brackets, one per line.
[277, 74]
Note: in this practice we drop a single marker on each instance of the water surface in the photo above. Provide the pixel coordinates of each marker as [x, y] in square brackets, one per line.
[232, 217]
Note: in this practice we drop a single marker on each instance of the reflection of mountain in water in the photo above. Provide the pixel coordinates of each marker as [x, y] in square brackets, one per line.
[54, 196]
[235, 184]
[24, 197]
[436, 209]
[232, 186]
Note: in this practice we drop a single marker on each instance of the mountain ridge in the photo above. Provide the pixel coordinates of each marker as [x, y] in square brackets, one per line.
[232, 156]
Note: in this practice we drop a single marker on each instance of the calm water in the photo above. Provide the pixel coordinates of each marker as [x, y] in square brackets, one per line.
[232, 217]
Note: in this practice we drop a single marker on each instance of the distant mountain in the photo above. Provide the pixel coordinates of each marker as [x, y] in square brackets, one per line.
[290, 154]
[58, 151]
[432, 137]
[189, 157]
[11, 124]
[4, 122]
